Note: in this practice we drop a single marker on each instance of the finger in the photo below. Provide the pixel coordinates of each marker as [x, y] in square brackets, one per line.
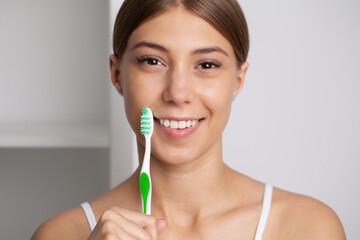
[116, 236]
[140, 219]
[113, 221]
[161, 225]
[121, 234]
[145, 221]
[132, 228]
[111, 230]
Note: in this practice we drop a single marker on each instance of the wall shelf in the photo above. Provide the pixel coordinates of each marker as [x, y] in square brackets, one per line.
[54, 136]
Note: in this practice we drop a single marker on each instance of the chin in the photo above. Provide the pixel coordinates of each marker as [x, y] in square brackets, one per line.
[176, 157]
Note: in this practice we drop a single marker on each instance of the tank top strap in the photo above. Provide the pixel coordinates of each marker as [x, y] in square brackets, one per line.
[259, 231]
[89, 215]
[265, 211]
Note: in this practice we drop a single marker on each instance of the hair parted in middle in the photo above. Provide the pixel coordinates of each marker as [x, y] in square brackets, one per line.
[226, 16]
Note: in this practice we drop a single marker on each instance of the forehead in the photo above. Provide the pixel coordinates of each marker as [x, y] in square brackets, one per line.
[179, 28]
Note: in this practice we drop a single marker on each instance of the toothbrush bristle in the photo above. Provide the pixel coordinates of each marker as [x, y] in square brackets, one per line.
[146, 122]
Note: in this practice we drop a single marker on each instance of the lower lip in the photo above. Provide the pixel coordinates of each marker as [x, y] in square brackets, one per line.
[178, 134]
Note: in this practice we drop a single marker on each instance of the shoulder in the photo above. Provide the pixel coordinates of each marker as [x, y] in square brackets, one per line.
[297, 216]
[71, 224]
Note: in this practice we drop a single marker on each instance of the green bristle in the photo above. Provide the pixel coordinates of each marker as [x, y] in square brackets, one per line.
[146, 121]
[145, 111]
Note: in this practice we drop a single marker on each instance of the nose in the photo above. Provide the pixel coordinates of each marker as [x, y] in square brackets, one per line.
[179, 86]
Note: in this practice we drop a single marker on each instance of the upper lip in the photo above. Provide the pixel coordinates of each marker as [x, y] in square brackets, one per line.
[178, 118]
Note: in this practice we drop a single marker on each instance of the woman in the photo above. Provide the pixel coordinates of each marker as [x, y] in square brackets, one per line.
[186, 60]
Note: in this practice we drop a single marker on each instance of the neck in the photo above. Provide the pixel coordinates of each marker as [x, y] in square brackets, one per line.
[185, 193]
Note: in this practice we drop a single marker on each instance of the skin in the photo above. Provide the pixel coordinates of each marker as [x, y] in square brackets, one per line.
[200, 197]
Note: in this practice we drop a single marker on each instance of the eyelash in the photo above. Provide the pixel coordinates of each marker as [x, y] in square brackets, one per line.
[203, 65]
[209, 65]
[149, 61]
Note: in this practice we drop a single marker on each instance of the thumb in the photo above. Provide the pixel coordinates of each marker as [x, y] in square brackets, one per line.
[161, 225]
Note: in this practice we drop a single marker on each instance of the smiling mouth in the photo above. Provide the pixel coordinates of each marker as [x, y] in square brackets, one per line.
[178, 125]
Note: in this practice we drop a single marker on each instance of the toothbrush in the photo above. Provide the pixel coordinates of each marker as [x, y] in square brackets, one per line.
[146, 128]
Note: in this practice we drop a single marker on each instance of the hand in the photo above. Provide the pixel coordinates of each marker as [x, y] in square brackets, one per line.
[122, 224]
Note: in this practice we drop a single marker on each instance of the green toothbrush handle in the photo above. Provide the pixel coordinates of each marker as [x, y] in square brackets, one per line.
[145, 189]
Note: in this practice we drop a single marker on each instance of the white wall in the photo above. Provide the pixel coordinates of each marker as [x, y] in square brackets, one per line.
[123, 155]
[53, 61]
[53, 80]
[296, 123]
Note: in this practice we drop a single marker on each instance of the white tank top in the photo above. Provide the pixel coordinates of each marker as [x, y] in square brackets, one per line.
[259, 230]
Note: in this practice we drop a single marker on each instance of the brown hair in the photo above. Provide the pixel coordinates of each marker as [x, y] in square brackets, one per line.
[224, 15]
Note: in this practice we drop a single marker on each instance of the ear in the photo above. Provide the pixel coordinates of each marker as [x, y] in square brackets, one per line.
[115, 73]
[240, 78]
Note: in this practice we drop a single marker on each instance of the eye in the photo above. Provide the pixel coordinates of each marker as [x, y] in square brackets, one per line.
[149, 61]
[208, 65]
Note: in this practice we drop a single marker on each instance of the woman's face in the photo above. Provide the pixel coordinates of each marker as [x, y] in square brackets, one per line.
[182, 68]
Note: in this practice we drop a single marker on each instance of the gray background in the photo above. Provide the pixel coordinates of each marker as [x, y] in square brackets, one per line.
[36, 184]
[53, 72]
[295, 125]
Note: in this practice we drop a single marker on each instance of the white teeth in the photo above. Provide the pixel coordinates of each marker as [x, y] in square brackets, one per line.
[178, 124]
[181, 124]
[173, 124]
[188, 123]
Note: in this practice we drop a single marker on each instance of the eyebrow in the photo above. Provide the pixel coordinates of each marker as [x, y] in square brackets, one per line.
[163, 49]
[210, 50]
[150, 45]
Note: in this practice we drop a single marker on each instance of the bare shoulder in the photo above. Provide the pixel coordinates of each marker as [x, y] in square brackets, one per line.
[70, 224]
[295, 216]
[73, 224]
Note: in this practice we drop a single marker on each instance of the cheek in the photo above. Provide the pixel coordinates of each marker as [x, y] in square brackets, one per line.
[139, 92]
[132, 102]
[218, 100]
[218, 96]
